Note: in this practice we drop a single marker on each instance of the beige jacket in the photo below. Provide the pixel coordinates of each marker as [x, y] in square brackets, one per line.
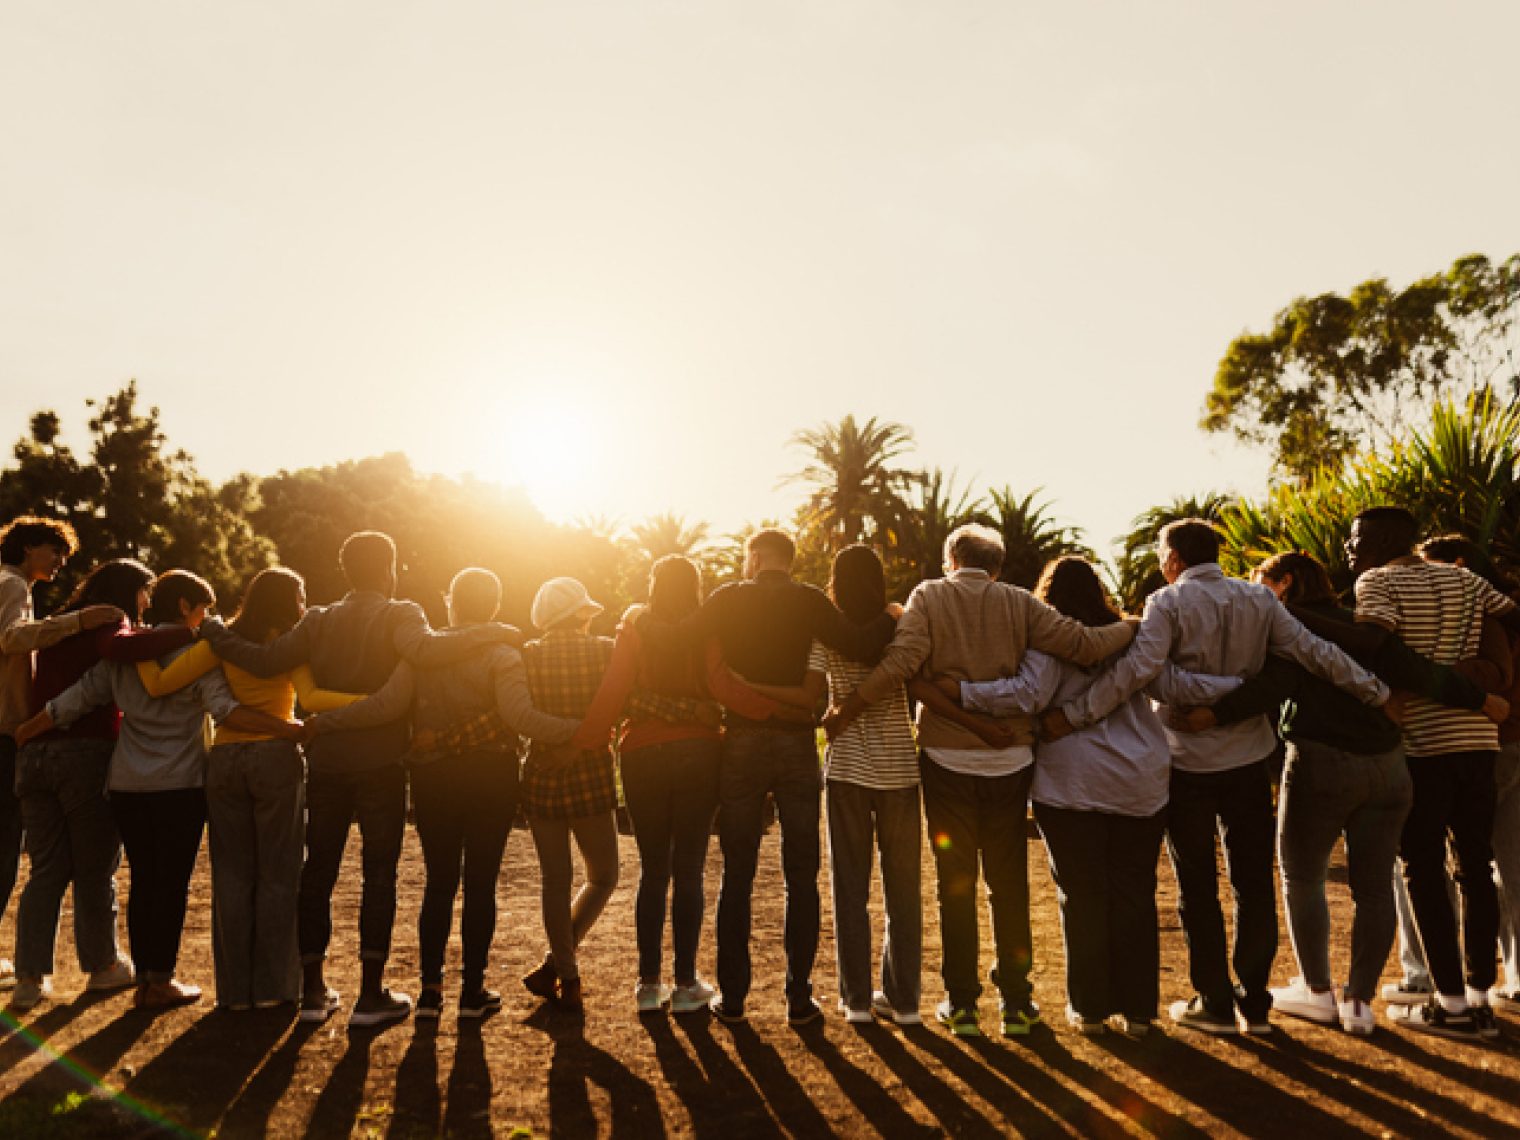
[971, 628]
[20, 636]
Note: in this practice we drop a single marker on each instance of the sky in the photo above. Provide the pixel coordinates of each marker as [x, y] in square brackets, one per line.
[618, 253]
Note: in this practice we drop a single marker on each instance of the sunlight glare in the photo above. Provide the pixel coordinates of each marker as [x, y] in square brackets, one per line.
[550, 446]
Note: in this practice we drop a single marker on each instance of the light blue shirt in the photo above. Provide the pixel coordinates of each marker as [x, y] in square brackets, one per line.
[1209, 624]
[1120, 765]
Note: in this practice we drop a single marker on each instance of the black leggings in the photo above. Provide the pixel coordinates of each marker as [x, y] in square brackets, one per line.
[161, 834]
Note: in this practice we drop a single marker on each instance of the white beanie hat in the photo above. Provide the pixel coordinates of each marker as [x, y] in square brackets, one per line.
[559, 598]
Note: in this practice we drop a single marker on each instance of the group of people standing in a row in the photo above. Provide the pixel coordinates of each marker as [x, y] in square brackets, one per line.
[1121, 733]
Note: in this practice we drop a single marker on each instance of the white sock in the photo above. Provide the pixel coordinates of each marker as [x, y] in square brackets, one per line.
[1476, 997]
[1456, 1004]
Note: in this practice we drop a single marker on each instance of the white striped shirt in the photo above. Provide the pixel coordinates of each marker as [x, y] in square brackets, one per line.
[877, 750]
[1438, 609]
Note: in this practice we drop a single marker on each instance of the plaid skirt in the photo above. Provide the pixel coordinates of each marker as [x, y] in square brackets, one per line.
[586, 785]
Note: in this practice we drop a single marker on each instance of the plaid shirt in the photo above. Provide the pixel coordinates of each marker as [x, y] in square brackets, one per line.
[564, 672]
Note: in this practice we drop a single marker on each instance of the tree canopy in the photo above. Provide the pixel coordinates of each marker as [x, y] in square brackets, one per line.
[1336, 374]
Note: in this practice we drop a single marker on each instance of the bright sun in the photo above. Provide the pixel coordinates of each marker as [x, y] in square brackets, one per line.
[549, 446]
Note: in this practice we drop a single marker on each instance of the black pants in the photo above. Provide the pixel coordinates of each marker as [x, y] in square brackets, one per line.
[977, 826]
[1235, 804]
[464, 807]
[161, 834]
[10, 822]
[672, 793]
[1104, 867]
[377, 799]
[1453, 795]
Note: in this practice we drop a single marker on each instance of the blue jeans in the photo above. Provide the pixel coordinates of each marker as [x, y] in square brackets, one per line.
[10, 822]
[70, 838]
[672, 793]
[1326, 793]
[334, 800]
[256, 806]
[783, 764]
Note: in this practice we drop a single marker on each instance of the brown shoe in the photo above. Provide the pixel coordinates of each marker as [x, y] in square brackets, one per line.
[543, 981]
[166, 995]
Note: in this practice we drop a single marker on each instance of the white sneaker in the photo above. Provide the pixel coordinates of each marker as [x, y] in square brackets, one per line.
[1356, 1017]
[7, 973]
[856, 1016]
[1086, 1026]
[1505, 997]
[118, 975]
[1296, 999]
[882, 1008]
[651, 997]
[692, 998]
[29, 993]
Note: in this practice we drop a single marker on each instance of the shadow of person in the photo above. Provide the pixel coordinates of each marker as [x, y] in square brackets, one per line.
[777, 1086]
[86, 1068]
[470, 1088]
[709, 1103]
[418, 1108]
[250, 1110]
[575, 1066]
[1231, 1094]
[342, 1097]
[727, 1100]
[21, 1038]
[971, 1060]
[1357, 1086]
[193, 1078]
[948, 1106]
[1089, 1118]
[873, 1102]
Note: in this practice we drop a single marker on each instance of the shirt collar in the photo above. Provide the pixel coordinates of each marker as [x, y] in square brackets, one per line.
[772, 577]
[1204, 571]
[969, 572]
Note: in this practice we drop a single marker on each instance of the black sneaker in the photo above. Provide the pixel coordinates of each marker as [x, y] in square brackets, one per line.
[726, 1013]
[429, 1004]
[1433, 1017]
[802, 1011]
[1484, 1021]
[1194, 1014]
[481, 1003]
[380, 1009]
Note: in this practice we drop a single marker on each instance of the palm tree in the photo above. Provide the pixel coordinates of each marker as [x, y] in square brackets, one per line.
[1137, 574]
[856, 492]
[668, 533]
[936, 508]
[1031, 537]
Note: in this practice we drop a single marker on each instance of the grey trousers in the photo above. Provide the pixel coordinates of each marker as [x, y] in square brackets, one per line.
[567, 922]
[1326, 793]
[70, 839]
[256, 809]
[861, 821]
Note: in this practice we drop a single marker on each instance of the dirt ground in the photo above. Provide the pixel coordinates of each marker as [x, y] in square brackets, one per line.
[95, 1068]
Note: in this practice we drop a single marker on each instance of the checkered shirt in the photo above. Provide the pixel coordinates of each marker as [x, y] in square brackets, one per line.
[564, 672]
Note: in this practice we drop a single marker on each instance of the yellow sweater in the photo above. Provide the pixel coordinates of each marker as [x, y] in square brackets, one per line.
[273, 695]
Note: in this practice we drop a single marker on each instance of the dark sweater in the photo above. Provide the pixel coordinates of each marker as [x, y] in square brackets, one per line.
[1315, 710]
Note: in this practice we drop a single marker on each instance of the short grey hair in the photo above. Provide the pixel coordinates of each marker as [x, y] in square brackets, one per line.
[974, 547]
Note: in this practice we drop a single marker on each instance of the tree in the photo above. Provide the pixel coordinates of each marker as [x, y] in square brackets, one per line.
[857, 494]
[668, 533]
[1137, 574]
[936, 507]
[1031, 537]
[1336, 375]
[134, 498]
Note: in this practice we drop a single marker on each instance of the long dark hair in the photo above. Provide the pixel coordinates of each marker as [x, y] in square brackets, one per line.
[1071, 585]
[114, 583]
[675, 587]
[858, 584]
[1310, 583]
[675, 591]
[272, 603]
